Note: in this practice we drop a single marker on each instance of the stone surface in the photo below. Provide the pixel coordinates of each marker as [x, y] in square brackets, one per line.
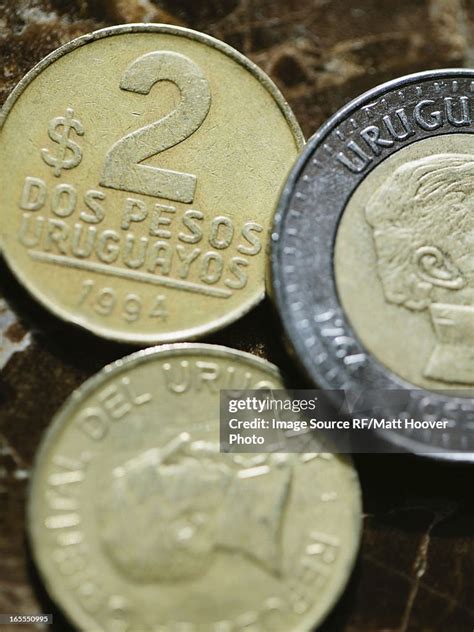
[415, 567]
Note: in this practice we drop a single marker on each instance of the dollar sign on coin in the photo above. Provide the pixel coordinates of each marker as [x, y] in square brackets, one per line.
[162, 233]
[59, 131]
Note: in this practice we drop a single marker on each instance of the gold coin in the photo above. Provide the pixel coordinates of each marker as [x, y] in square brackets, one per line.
[400, 259]
[139, 524]
[139, 169]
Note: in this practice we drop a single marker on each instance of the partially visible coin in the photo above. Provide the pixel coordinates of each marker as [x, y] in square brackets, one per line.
[138, 523]
[139, 170]
[373, 252]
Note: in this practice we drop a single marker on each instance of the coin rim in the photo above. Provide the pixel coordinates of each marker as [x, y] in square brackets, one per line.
[81, 321]
[294, 341]
[63, 599]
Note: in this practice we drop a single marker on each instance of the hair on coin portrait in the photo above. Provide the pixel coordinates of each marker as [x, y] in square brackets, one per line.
[164, 513]
[422, 220]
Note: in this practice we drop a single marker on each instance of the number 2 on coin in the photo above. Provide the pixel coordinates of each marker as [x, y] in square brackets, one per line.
[122, 169]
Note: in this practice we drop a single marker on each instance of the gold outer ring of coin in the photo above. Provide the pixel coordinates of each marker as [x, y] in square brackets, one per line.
[98, 294]
[317, 523]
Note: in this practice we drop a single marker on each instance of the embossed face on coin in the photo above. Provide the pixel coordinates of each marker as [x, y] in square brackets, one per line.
[412, 264]
[373, 260]
[139, 170]
[138, 522]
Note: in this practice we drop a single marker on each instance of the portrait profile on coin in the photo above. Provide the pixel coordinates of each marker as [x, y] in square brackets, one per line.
[422, 220]
[163, 514]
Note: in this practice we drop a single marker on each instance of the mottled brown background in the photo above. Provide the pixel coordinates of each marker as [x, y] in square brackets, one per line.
[415, 569]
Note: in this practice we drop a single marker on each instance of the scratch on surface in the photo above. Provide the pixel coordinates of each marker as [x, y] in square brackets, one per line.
[13, 338]
[21, 471]
[433, 591]
[420, 565]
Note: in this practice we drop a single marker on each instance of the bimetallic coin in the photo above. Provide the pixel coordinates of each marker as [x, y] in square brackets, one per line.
[139, 523]
[373, 252]
[139, 171]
